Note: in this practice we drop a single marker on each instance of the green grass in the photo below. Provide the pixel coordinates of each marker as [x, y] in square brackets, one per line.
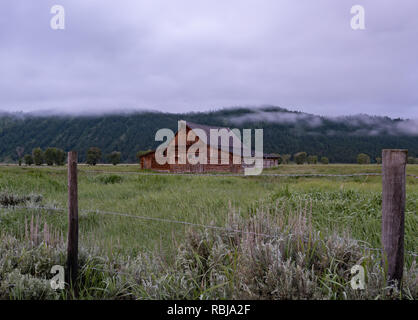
[338, 205]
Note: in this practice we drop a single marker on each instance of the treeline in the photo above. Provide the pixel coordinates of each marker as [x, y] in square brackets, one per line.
[363, 158]
[300, 158]
[303, 157]
[129, 133]
[56, 156]
[38, 157]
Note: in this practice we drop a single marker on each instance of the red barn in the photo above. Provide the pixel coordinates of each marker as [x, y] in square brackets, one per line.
[226, 152]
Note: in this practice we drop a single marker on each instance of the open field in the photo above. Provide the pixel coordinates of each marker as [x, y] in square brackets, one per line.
[346, 207]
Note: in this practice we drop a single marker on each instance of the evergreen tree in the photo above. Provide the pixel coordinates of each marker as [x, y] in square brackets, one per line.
[121, 132]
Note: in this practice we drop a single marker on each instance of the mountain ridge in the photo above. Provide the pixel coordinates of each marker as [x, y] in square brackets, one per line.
[285, 132]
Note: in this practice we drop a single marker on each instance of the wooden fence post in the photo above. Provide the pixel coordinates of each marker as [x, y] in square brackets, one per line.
[393, 211]
[72, 246]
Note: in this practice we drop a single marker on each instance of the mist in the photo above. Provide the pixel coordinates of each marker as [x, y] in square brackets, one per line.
[359, 125]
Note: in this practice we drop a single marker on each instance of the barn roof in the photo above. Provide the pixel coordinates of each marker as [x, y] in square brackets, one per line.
[146, 153]
[235, 145]
[240, 145]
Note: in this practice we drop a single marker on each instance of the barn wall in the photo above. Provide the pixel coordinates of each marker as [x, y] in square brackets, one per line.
[148, 162]
[230, 167]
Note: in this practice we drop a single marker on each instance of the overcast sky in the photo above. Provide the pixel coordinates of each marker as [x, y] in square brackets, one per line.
[197, 55]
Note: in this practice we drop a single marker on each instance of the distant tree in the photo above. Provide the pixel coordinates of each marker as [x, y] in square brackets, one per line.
[59, 157]
[416, 160]
[114, 157]
[286, 158]
[313, 159]
[28, 159]
[411, 160]
[49, 156]
[363, 158]
[94, 155]
[19, 152]
[300, 157]
[38, 156]
[324, 160]
[379, 160]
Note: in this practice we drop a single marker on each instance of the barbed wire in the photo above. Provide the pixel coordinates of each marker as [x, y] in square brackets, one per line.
[196, 174]
[121, 214]
[233, 174]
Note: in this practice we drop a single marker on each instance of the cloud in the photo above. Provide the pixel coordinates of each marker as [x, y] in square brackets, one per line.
[377, 125]
[356, 125]
[186, 55]
[279, 117]
[409, 127]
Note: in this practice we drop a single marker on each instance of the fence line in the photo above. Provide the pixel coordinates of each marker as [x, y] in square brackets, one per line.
[362, 174]
[215, 174]
[301, 175]
[234, 174]
[122, 214]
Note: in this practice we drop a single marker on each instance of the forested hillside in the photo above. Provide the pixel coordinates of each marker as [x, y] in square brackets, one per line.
[285, 132]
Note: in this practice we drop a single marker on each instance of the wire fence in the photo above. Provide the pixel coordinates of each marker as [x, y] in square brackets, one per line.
[72, 252]
[165, 220]
[195, 174]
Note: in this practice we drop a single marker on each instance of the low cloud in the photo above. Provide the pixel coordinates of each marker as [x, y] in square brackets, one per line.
[373, 125]
[292, 118]
[358, 125]
[409, 127]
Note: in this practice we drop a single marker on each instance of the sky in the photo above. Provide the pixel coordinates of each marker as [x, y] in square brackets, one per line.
[200, 55]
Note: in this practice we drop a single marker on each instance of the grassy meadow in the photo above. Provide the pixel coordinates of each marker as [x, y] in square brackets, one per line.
[315, 207]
